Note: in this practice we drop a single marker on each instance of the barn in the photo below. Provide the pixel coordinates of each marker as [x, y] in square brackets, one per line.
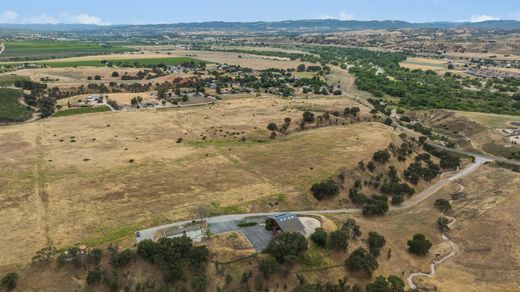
[287, 222]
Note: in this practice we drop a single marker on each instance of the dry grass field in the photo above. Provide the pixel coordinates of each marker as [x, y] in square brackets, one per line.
[97, 178]
[439, 66]
[245, 60]
[473, 131]
[488, 233]
[75, 77]
[120, 98]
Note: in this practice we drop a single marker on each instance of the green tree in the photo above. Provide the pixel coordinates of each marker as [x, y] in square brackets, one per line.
[9, 281]
[362, 261]
[396, 284]
[381, 156]
[121, 259]
[419, 245]
[301, 68]
[308, 117]
[268, 266]
[379, 285]
[352, 229]
[338, 240]
[272, 127]
[47, 105]
[199, 283]
[442, 223]
[44, 254]
[324, 189]
[319, 237]
[198, 257]
[286, 245]
[443, 205]
[375, 243]
[94, 276]
[161, 92]
[148, 249]
[115, 74]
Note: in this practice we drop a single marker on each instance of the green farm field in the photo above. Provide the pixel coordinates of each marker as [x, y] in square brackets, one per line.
[44, 49]
[130, 62]
[79, 111]
[10, 109]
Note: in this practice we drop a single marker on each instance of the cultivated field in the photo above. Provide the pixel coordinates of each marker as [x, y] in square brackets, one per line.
[43, 49]
[95, 178]
[11, 110]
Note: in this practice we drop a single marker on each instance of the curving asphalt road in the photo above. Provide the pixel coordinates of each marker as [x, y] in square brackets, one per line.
[413, 201]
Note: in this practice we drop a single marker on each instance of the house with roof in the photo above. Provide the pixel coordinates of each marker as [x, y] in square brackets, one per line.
[286, 222]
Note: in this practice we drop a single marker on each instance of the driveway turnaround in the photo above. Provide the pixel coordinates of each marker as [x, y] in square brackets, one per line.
[257, 235]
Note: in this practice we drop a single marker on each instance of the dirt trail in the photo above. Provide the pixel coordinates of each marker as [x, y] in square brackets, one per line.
[40, 187]
[35, 114]
[454, 251]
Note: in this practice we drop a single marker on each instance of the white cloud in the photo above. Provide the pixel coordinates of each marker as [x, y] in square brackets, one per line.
[41, 19]
[8, 17]
[83, 19]
[342, 15]
[64, 17]
[483, 17]
[514, 15]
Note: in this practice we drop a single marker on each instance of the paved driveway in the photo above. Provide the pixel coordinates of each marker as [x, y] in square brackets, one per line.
[257, 235]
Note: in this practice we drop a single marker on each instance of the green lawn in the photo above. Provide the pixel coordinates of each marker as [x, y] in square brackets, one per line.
[47, 49]
[10, 109]
[119, 63]
[81, 110]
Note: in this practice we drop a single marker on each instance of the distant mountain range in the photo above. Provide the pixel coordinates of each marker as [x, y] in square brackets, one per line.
[323, 25]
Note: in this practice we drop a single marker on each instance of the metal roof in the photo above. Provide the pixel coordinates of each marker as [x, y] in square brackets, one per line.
[289, 222]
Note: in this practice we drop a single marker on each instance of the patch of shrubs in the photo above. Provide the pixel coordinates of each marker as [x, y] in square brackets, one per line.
[328, 188]
[171, 255]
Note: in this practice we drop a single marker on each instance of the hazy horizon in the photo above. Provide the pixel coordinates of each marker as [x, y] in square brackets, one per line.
[162, 11]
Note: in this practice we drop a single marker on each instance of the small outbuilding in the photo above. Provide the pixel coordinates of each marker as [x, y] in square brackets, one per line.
[457, 195]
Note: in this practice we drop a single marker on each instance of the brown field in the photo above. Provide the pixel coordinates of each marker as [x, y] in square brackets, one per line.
[438, 66]
[487, 232]
[473, 131]
[97, 178]
[245, 60]
[120, 98]
[75, 77]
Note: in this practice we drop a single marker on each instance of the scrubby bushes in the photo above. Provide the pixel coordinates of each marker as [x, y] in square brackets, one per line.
[172, 254]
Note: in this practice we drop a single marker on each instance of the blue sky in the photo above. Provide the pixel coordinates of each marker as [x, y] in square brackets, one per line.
[172, 11]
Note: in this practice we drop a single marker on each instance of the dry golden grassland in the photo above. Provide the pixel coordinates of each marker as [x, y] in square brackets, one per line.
[75, 77]
[487, 232]
[97, 178]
